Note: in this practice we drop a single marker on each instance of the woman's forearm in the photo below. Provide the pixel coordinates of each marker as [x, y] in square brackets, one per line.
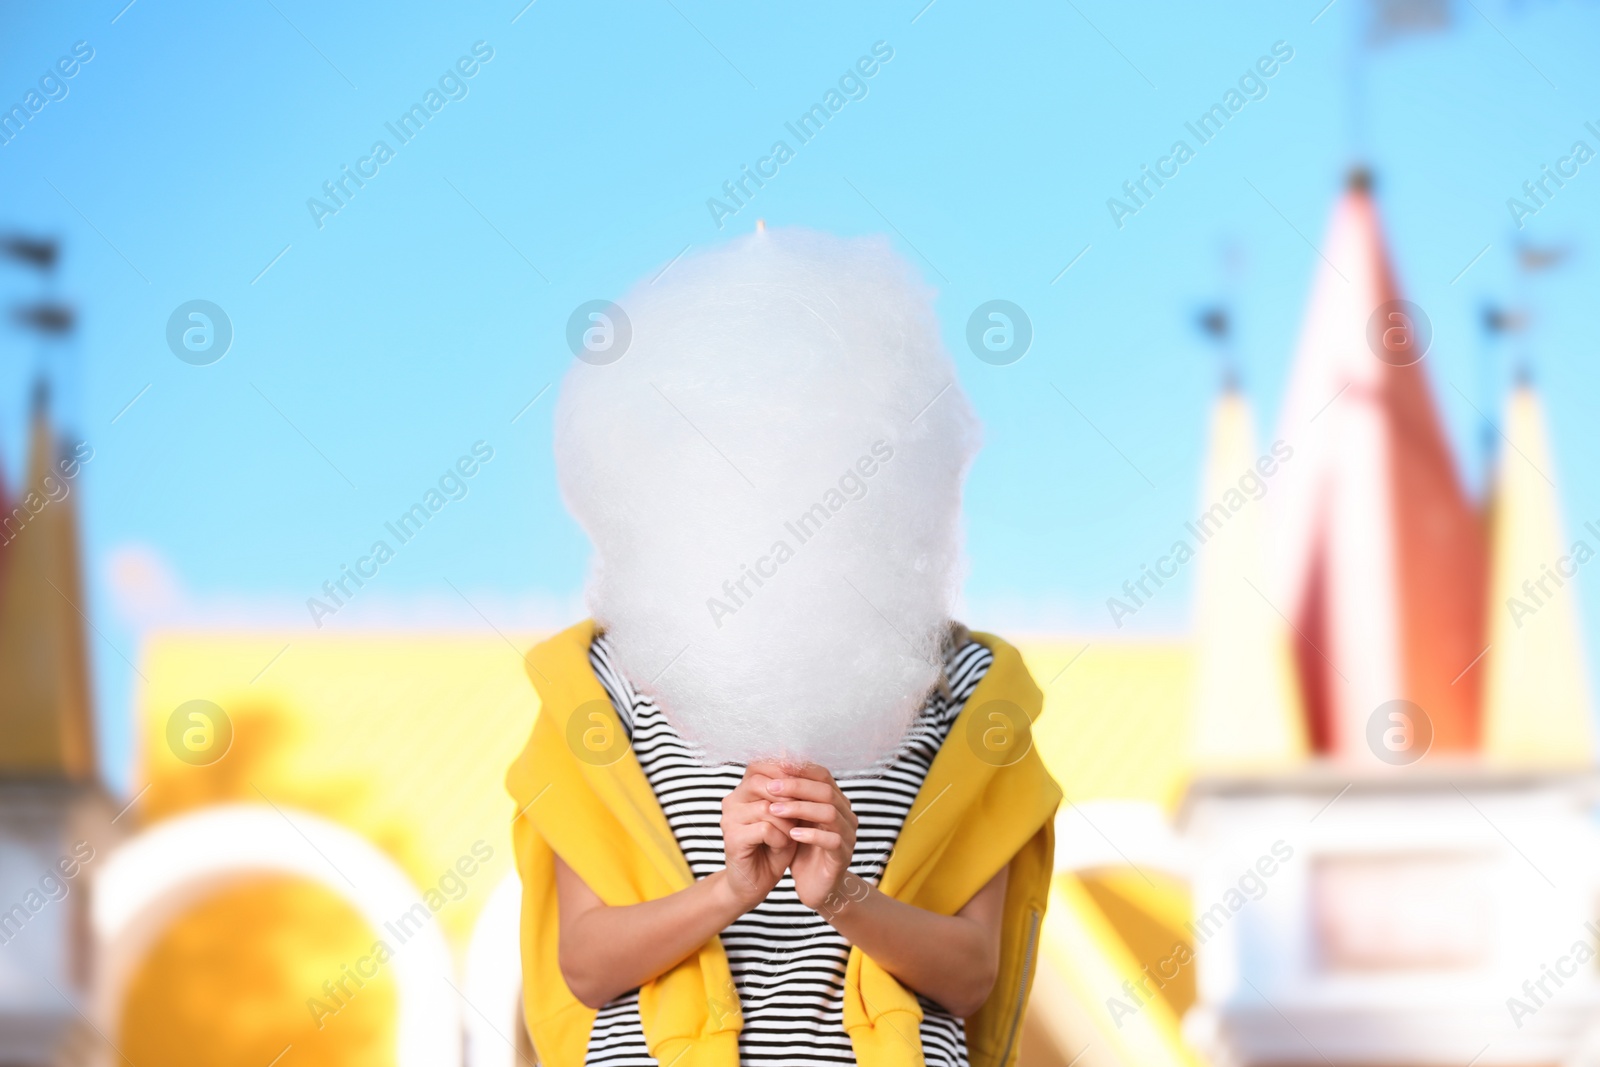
[607, 951]
[950, 959]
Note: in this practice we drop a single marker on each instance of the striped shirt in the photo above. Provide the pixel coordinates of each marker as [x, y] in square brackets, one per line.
[788, 963]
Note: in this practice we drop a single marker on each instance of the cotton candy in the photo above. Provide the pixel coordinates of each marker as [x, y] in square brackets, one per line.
[770, 474]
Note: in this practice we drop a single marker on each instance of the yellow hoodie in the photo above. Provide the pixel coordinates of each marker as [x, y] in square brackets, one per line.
[980, 807]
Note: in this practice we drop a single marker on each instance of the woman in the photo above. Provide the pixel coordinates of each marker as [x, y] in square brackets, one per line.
[698, 887]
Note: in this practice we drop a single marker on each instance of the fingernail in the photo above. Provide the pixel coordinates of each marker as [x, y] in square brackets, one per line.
[778, 809]
[775, 786]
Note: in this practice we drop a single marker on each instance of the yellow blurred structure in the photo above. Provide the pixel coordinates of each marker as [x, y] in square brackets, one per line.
[401, 739]
[44, 705]
[1116, 716]
[1247, 713]
[1536, 697]
[1117, 733]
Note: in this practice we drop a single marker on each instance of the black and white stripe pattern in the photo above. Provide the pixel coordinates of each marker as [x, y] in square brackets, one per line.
[788, 964]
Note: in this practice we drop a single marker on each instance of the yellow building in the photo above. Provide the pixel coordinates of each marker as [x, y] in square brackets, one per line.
[404, 740]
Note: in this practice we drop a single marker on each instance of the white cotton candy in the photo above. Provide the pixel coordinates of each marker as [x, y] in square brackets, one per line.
[787, 374]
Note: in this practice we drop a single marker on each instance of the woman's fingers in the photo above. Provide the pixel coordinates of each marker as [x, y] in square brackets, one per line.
[809, 772]
[752, 786]
[826, 840]
[767, 768]
[808, 811]
[814, 771]
[784, 795]
[775, 837]
[758, 811]
[796, 795]
[804, 789]
[809, 781]
[757, 833]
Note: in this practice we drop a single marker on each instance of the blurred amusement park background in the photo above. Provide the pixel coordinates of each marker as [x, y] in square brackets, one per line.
[1301, 561]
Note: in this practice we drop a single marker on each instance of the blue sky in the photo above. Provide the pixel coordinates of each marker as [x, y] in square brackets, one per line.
[369, 353]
